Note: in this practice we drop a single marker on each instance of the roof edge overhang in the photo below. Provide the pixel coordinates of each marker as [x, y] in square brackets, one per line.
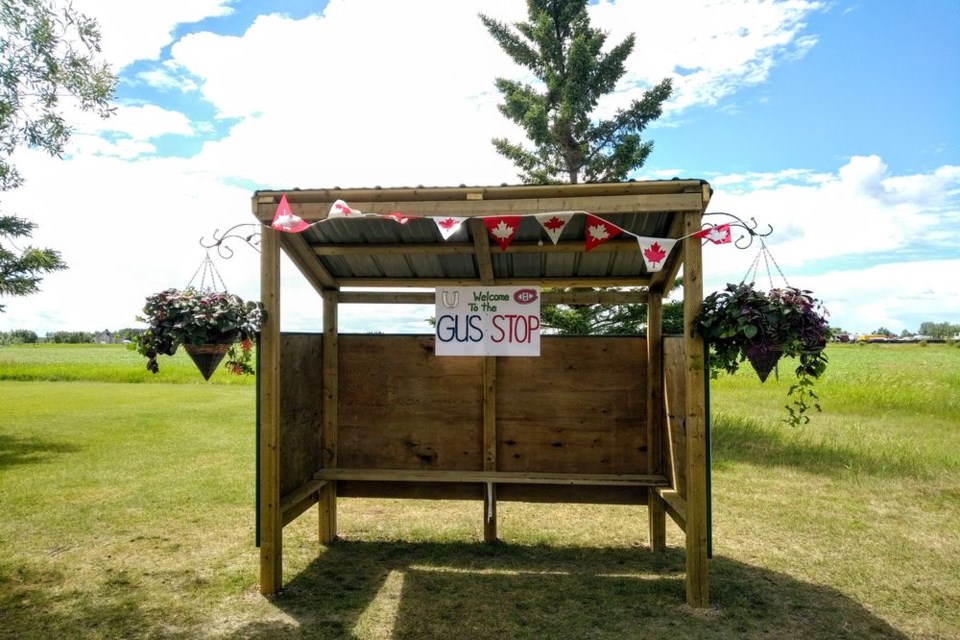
[301, 199]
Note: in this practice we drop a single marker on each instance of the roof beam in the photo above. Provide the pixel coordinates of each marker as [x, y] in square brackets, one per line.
[481, 251]
[546, 297]
[300, 254]
[314, 210]
[463, 248]
[633, 281]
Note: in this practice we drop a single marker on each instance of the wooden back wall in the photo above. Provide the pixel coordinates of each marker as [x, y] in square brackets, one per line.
[578, 408]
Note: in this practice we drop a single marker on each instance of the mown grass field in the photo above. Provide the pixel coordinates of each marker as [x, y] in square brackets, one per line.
[127, 512]
[101, 363]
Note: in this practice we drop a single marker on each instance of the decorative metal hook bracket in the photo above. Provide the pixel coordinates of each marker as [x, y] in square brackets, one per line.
[219, 239]
[750, 227]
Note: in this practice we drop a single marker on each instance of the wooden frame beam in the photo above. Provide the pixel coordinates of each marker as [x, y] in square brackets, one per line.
[328, 434]
[498, 477]
[490, 446]
[481, 251]
[466, 248]
[655, 424]
[547, 297]
[695, 419]
[307, 206]
[271, 518]
[414, 283]
[301, 255]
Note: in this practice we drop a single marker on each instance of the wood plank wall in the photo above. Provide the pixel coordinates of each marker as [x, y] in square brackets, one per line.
[676, 439]
[578, 408]
[301, 412]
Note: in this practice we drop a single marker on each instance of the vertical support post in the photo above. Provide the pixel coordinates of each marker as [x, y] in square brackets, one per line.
[696, 529]
[490, 446]
[271, 524]
[655, 422]
[331, 394]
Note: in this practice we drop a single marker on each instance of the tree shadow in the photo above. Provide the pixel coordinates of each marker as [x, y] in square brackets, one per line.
[35, 604]
[461, 590]
[743, 439]
[30, 450]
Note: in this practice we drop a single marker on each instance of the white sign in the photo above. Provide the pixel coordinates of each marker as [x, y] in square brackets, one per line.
[488, 321]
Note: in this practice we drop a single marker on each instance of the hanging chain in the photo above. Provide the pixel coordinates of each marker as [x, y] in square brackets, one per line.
[207, 272]
[764, 252]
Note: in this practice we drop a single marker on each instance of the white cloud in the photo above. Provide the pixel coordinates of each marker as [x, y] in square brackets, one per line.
[859, 214]
[144, 122]
[722, 45]
[346, 100]
[134, 31]
[165, 78]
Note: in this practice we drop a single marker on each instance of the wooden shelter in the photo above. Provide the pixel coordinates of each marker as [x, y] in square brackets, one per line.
[593, 419]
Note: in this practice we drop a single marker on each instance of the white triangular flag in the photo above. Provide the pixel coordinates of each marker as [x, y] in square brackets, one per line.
[339, 209]
[554, 223]
[655, 251]
[448, 225]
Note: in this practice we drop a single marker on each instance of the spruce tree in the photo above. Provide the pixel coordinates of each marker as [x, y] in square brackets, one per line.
[49, 54]
[566, 55]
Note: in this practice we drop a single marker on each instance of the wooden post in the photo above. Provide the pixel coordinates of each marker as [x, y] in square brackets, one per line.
[696, 529]
[490, 446]
[328, 435]
[271, 524]
[655, 422]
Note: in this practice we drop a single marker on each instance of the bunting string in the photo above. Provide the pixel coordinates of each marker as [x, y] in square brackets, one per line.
[503, 228]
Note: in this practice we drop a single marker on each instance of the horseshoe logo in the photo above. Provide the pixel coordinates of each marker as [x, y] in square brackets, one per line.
[445, 299]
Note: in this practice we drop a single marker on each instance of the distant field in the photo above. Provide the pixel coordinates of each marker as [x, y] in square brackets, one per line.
[101, 363]
[128, 513]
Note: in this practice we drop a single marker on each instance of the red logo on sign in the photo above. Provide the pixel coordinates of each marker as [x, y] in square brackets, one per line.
[525, 296]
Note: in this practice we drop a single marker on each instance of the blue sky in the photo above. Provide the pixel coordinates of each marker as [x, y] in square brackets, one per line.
[833, 121]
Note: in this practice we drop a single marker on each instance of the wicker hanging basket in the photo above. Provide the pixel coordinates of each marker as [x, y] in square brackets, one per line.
[763, 358]
[208, 356]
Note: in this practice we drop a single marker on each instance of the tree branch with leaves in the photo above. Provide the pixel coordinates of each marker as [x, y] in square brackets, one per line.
[48, 53]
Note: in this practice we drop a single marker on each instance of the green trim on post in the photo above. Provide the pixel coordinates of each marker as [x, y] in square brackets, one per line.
[256, 535]
[708, 446]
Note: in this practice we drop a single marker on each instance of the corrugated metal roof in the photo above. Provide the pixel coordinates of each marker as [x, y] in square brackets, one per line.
[379, 252]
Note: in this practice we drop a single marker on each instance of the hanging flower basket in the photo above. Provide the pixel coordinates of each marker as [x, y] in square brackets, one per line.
[208, 356]
[741, 323]
[210, 325]
[763, 358]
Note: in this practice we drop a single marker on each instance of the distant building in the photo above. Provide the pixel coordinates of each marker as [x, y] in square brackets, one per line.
[106, 337]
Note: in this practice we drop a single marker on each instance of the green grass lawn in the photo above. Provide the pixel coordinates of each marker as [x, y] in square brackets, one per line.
[102, 363]
[127, 512]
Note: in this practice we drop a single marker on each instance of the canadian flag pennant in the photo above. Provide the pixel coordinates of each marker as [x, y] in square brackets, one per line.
[655, 251]
[718, 234]
[554, 224]
[401, 218]
[502, 228]
[448, 225]
[339, 209]
[599, 231]
[285, 220]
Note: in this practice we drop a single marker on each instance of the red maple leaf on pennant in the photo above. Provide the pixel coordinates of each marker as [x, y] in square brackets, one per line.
[554, 223]
[502, 228]
[447, 224]
[717, 234]
[655, 254]
[502, 231]
[599, 231]
[286, 220]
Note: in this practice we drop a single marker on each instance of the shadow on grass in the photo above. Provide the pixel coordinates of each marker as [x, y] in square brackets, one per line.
[457, 590]
[34, 604]
[740, 439]
[14, 450]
